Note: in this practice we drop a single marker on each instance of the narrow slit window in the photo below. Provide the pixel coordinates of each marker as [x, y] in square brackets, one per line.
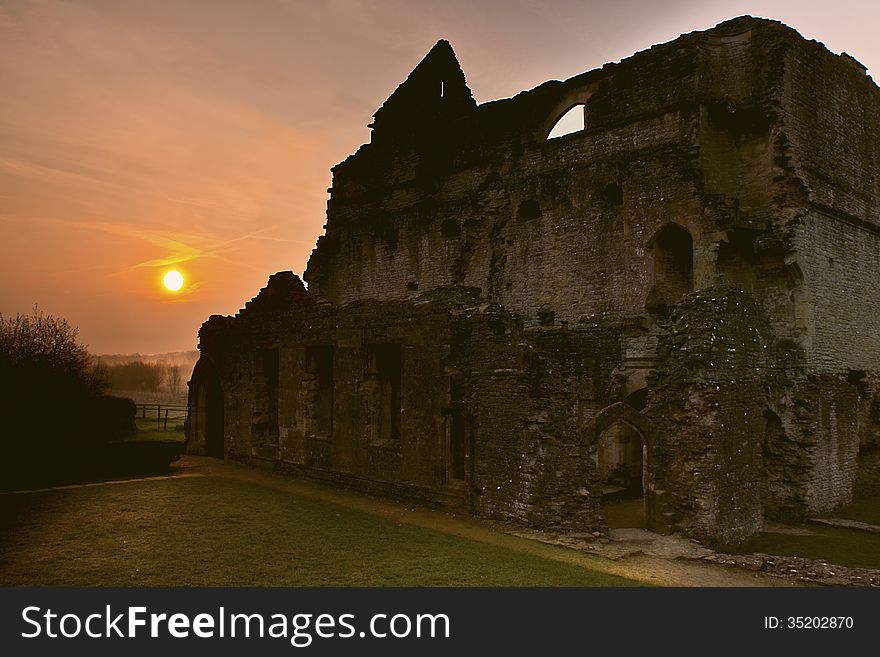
[385, 376]
[320, 363]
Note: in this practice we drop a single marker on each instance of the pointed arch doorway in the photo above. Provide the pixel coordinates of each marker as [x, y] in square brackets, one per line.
[622, 434]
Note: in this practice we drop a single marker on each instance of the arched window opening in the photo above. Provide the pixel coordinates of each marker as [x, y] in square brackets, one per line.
[638, 399]
[570, 122]
[736, 260]
[673, 255]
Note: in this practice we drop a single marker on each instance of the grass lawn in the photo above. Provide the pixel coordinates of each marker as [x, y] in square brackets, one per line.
[206, 531]
[157, 435]
[845, 547]
[864, 510]
[151, 427]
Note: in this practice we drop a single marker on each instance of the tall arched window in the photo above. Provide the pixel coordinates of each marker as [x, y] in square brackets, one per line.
[673, 254]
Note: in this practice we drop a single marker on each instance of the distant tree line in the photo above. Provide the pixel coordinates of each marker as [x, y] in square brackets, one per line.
[148, 377]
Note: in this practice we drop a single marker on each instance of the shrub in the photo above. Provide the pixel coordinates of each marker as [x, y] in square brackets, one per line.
[42, 349]
[50, 397]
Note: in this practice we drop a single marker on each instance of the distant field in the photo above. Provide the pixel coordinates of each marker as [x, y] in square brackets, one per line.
[144, 397]
[206, 531]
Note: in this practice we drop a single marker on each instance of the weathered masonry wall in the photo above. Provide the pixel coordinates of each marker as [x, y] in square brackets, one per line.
[742, 431]
[841, 296]
[729, 133]
[437, 400]
[361, 396]
[820, 416]
[534, 224]
[529, 396]
[478, 196]
[678, 301]
[829, 136]
[706, 401]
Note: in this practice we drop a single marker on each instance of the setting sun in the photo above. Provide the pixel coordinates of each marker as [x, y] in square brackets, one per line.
[173, 280]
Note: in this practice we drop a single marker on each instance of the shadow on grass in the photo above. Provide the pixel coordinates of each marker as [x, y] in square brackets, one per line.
[843, 547]
[134, 456]
[215, 532]
[866, 510]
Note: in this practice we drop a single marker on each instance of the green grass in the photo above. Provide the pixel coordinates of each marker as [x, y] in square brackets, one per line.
[149, 429]
[150, 424]
[836, 545]
[844, 547]
[864, 510]
[213, 532]
[157, 435]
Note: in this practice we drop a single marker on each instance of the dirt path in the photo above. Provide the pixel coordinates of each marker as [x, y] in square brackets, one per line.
[641, 556]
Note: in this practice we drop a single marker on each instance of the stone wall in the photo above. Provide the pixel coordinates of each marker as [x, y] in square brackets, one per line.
[812, 463]
[841, 295]
[757, 142]
[344, 431]
[485, 299]
[488, 202]
[522, 398]
[530, 396]
[706, 400]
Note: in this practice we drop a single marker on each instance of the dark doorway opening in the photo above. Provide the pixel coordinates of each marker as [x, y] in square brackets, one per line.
[214, 429]
[621, 466]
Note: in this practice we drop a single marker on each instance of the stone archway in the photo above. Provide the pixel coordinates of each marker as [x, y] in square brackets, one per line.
[621, 436]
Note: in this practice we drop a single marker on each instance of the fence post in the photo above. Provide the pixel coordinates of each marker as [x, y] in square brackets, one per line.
[165, 427]
[158, 416]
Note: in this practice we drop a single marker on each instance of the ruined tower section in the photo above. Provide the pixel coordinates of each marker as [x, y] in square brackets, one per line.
[707, 401]
[788, 158]
[828, 147]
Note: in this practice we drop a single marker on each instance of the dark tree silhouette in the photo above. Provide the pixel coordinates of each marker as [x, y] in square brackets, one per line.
[51, 403]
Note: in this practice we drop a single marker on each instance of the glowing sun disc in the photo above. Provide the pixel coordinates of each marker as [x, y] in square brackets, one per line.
[173, 280]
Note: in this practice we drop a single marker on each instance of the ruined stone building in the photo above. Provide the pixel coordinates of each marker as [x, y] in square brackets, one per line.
[678, 301]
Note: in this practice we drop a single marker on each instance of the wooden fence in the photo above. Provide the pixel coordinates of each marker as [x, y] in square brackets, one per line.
[163, 414]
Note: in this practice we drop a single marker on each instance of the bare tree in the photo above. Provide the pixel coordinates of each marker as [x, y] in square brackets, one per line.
[174, 379]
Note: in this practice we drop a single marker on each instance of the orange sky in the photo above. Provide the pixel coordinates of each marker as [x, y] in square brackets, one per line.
[200, 134]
